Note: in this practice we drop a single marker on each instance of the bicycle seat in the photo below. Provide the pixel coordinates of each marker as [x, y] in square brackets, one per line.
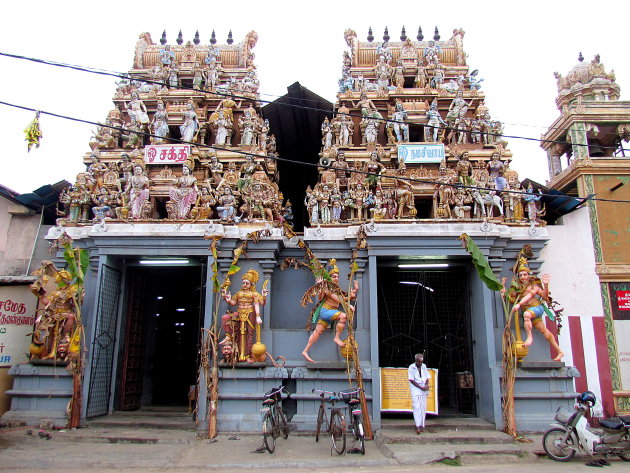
[353, 402]
[269, 402]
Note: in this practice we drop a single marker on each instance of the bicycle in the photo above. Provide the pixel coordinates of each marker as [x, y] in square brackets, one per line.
[337, 424]
[356, 419]
[274, 420]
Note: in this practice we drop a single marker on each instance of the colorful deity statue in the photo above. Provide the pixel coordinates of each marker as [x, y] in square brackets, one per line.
[327, 311]
[530, 296]
[241, 326]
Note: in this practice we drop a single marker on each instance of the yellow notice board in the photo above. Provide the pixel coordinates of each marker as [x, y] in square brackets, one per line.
[395, 395]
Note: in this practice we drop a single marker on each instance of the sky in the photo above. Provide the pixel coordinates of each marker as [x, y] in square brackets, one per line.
[516, 46]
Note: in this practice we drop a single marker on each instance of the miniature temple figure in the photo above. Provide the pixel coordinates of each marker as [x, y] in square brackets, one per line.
[404, 199]
[103, 138]
[399, 76]
[533, 209]
[464, 170]
[434, 120]
[516, 204]
[102, 208]
[437, 81]
[460, 199]
[133, 137]
[461, 128]
[383, 52]
[138, 191]
[312, 207]
[250, 82]
[408, 50]
[458, 107]
[183, 194]
[287, 212]
[475, 130]
[213, 55]
[379, 209]
[347, 62]
[346, 128]
[346, 83]
[166, 56]
[72, 198]
[496, 168]
[212, 76]
[160, 124]
[421, 77]
[216, 169]
[241, 326]
[337, 204]
[359, 194]
[247, 125]
[473, 82]
[371, 131]
[263, 135]
[189, 128]
[444, 195]
[226, 205]
[204, 204]
[324, 204]
[173, 77]
[531, 295]
[198, 78]
[56, 324]
[97, 170]
[383, 72]
[227, 105]
[432, 54]
[375, 168]
[327, 135]
[126, 167]
[222, 129]
[327, 310]
[399, 126]
[341, 167]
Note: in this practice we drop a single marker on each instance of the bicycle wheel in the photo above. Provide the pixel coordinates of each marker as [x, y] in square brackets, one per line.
[338, 432]
[554, 446]
[268, 427]
[282, 423]
[359, 433]
[321, 415]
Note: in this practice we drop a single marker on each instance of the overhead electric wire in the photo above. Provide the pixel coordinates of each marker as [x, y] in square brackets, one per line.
[316, 165]
[129, 76]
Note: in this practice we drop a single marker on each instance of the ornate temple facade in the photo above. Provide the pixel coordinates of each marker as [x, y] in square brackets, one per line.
[410, 159]
[587, 149]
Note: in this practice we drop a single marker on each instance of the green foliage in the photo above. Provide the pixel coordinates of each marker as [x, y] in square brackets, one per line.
[481, 264]
[451, 461]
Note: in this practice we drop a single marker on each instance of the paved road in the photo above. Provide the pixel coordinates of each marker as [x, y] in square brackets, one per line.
[74, 451]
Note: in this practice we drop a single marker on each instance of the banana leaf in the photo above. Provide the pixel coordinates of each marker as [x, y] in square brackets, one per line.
[481, 263]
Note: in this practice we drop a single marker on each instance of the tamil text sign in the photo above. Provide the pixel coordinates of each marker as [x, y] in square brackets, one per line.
[166, 154]
[421, 153]
[395, 394]
[17, 317]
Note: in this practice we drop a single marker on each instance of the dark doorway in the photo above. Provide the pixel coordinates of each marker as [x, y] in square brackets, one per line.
[162, 321]
[427, 310]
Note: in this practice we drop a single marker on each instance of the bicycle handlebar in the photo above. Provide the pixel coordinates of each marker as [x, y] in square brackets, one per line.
[322, 392]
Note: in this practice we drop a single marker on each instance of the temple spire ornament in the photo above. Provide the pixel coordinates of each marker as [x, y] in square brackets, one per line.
[180, 39]
[420, 36]
[230, 40]
[213, 38]
[196, 40]
[580, 57]
[163, 38]
[370, 36]
[403, 35]
[386, 35]
[436, 36]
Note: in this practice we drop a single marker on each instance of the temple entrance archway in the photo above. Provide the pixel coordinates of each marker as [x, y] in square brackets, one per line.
[424, 306]
[160, 338]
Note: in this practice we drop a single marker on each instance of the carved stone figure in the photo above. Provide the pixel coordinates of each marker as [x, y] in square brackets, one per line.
[434, 120]
[138, 191]
[241, 327]
[189, 128]
[327, 134]
[183, 194]
[227, 203]
[160, 124]
[166, 56]
[399, 126]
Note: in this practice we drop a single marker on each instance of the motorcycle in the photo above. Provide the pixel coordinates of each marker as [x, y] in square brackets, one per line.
[573, 433]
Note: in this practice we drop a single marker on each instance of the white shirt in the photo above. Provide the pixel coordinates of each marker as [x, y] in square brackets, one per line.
[421, 377]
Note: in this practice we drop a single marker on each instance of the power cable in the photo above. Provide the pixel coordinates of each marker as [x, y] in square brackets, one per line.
[279, 159]
[129, 76]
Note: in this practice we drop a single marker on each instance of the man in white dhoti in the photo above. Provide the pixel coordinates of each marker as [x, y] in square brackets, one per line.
[419, 387]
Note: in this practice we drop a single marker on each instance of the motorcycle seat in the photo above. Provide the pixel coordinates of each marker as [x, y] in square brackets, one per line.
[625, 419]
[614, 423]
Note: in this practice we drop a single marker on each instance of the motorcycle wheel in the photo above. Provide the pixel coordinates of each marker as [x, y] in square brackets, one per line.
[554, 446]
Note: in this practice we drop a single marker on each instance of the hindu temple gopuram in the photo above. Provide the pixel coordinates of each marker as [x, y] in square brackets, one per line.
[213, 227]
